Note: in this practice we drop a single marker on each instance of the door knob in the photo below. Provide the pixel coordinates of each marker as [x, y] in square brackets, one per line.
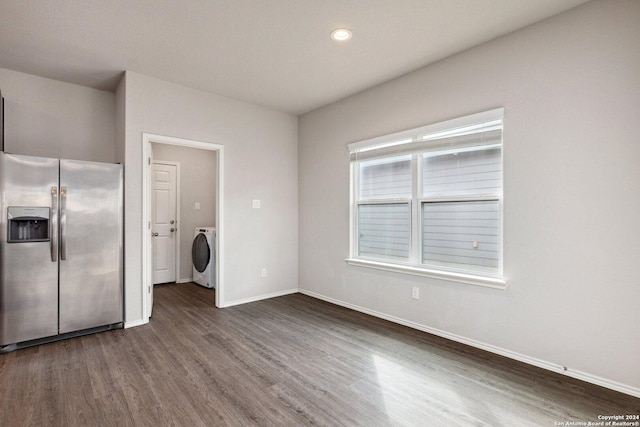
[154, 234]
[172, 230]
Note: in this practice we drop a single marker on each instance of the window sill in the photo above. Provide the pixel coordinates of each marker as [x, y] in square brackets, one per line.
[489, 282]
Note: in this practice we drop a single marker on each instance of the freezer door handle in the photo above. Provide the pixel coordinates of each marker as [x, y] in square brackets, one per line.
[54, 224]
[63, 223]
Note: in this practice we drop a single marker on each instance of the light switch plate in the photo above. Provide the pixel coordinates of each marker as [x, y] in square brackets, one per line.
[256, 204]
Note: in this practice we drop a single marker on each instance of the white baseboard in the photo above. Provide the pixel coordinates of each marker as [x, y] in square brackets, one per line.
[187, 280]
[593, 379]
[134, 323]
[260, 297]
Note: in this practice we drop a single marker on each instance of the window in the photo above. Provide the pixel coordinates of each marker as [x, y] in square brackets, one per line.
[429, 200]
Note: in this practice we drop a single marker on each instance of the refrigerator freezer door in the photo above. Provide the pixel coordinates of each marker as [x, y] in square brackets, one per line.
[91, 291]
[28, 276]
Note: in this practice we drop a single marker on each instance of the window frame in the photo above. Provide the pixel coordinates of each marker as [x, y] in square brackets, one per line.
[415, 265]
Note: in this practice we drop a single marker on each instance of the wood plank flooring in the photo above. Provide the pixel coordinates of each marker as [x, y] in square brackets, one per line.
[288, 361]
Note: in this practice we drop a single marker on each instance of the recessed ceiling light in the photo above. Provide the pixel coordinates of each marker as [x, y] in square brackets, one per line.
[341, 34]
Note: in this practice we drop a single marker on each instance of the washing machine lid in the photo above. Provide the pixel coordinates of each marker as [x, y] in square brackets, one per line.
[200, 252]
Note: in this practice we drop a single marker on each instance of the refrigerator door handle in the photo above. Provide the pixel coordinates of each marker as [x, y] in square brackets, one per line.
[63, 223]
[54, 224]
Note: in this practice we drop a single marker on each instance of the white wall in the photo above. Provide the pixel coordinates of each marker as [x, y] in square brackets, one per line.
[49, 118]
[198, 175]
[120, 118]
[571, 89]
[260, 147]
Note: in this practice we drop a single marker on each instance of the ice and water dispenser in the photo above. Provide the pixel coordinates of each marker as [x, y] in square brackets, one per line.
[27, 224]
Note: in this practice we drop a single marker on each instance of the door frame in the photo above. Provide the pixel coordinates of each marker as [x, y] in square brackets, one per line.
[147, 261]
[177, 242]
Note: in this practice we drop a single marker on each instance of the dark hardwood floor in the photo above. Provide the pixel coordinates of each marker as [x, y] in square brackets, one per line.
[287, 361]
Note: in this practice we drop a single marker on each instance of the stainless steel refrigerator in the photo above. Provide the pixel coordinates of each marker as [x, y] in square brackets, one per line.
[60, 248]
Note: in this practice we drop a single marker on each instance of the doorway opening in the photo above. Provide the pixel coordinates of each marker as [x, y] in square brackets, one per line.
[206, 211]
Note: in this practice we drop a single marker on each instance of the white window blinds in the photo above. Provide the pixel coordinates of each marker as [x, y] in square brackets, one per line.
[482, 129]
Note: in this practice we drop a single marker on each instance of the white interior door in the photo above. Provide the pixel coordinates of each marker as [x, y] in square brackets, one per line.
[163, 222]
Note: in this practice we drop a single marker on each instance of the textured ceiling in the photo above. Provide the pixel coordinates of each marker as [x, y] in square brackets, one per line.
[275, 53]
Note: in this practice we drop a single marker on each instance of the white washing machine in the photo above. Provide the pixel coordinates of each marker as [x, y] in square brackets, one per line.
[203, 255]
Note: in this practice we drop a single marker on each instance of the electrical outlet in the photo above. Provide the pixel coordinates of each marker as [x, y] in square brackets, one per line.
[263, 272]
[256, 204]
[415, 293]
[197, 206]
